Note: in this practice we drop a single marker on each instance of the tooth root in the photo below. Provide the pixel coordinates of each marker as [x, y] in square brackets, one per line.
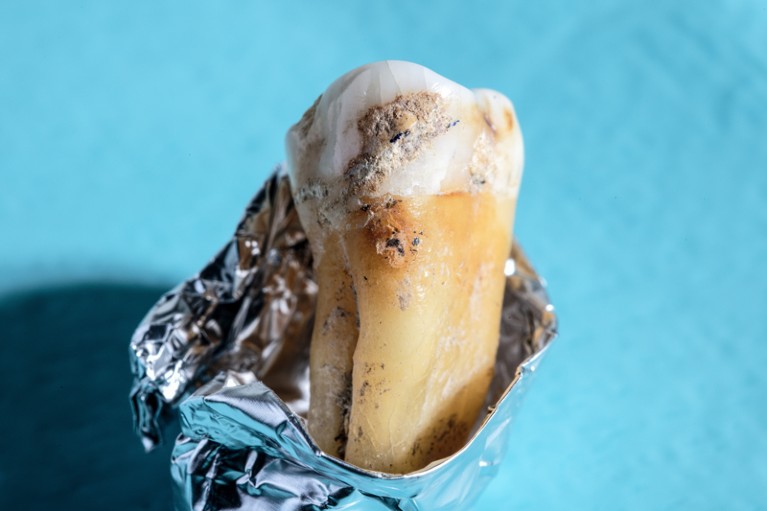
[330, 358]
[429, 320]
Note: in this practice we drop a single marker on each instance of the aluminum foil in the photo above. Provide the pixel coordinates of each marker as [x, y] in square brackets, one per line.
[233, 316]
[229, 350]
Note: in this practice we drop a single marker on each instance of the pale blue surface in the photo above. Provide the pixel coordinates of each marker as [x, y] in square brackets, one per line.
[132, 135]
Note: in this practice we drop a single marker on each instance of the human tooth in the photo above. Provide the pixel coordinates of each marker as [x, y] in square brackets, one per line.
[406, 184]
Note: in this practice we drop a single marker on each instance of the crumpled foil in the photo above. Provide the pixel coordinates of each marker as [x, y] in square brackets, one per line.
[233, 316]
[229, 350]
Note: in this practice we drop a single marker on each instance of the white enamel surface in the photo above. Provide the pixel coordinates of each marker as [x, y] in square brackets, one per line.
[467, 153]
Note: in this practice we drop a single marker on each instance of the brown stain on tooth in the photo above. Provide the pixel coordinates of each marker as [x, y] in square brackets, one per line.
[509, 119]
[392, 135]
[381, 122]
[364, 388]
[387, 226]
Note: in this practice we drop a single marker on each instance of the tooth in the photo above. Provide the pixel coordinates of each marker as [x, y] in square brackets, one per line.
[406, 184]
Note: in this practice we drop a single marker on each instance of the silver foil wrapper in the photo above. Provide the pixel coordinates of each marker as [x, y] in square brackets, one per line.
[229, 350]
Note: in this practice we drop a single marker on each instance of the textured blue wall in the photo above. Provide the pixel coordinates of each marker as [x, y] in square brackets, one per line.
[133, 134]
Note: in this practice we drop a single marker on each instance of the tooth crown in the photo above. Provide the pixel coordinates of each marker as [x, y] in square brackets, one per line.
[397, 128]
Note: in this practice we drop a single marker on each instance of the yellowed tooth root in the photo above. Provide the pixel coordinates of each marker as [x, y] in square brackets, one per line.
[429, 279]
[330, 358]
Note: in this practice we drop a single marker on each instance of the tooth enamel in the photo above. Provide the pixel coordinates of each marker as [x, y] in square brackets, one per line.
[406, 184]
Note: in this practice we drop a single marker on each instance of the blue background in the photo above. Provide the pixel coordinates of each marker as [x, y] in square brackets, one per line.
[132, 135]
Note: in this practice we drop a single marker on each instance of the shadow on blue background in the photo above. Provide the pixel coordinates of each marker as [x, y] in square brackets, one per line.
[65, 380]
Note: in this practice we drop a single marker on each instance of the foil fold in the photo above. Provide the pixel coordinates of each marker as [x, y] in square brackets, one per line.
[232, 316]
[228, 350]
